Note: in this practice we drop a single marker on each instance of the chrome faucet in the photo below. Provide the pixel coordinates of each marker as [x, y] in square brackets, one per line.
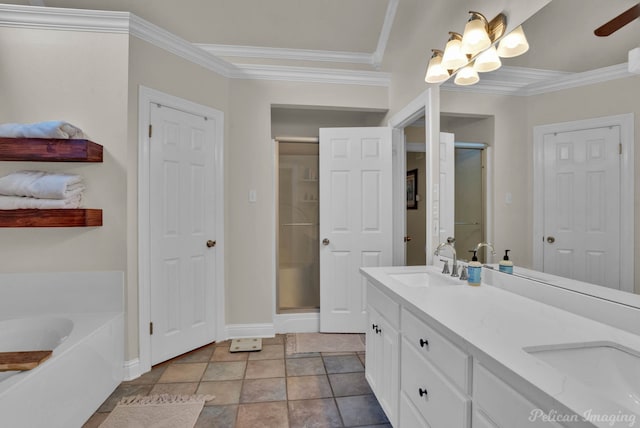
[449, 244]
[488, 245]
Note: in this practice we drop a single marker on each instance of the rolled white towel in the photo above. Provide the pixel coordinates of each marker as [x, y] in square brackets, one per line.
[19, 202]
[49, 129]
[40, 184]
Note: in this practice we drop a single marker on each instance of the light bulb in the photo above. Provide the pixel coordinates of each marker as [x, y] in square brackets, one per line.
[467, 76]
[475, 38]
[436, 73]
[487, 61]
[513, 44]
[453, 58]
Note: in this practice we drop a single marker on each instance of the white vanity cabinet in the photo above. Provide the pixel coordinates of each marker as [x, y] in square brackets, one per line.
[382, 357]
[435, 377]
[498, 405]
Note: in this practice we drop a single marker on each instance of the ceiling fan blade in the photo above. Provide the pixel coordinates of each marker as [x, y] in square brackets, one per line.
[618, 22]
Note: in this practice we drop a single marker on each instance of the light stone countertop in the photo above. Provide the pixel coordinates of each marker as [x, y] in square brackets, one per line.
[494, 325]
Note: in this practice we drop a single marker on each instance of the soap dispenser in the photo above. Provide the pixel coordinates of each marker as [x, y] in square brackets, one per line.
[474, 269]
[505, 264]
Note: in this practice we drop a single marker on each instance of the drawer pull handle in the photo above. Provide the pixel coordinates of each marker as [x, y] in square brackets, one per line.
[378, 330]
[374, 326]
[422, 391]
[424, 343]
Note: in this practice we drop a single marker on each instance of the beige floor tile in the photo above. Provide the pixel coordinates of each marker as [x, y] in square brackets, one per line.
[263, 415]
[278, 340]
[175, 388]
[268, 352]
[225, 392]
[314, 413]
[305, 366]
[306, 387]
[258, 390]
[187, 372]
[150, 377]
[201, 355]
[227, 370]
[264, 369]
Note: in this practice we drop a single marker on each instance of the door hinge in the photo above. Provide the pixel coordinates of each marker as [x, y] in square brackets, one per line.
[150, 328]
[620, 148]
[150, 130]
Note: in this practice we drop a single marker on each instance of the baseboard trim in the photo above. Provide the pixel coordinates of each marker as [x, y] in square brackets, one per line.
[297, 323]
[131, 369]
[237, 331]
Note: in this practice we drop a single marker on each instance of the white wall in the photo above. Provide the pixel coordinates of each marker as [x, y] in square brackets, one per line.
[49, 75]
[250, 165]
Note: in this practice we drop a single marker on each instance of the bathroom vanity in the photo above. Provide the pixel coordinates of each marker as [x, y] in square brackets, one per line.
[442, 354]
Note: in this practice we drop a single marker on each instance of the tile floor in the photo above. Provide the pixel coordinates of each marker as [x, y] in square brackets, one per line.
[263, 389]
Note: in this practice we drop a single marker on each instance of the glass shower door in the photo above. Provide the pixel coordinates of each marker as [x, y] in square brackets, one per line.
[298, 233]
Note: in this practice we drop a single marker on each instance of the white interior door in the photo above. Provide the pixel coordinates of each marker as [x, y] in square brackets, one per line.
[182, 223]
[447, 190]
[355, 220]
[582, 205]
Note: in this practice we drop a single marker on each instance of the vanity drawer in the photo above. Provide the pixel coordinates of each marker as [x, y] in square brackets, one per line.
[500, 402]
[447, 357]
[439, 402]
[384, 305]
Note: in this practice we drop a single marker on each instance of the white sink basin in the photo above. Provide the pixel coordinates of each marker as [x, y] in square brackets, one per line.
[425, 279]
[611, 369]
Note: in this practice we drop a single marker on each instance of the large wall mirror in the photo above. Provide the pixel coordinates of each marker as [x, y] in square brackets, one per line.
[541, 88]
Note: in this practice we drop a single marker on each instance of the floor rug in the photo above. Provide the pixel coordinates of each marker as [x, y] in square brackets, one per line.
[298, 343]
[156, 411]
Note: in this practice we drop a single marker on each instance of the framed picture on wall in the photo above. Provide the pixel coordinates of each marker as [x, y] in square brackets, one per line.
[412, 189]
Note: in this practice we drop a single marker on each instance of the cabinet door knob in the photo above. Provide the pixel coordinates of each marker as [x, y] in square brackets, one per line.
[211, 243]
[424, 343]
[422, 391]
[325, 241]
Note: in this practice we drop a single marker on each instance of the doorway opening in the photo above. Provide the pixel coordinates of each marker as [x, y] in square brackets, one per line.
[416, 210]
[298, 268]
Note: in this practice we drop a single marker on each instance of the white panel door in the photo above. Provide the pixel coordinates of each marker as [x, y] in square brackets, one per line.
[182, 202]
[447, 188]
[355, 221]
[582, 205]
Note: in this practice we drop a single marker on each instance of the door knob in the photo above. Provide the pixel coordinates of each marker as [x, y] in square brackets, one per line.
[551, 239]
[211, 243]
[407, 238]
[325, 241]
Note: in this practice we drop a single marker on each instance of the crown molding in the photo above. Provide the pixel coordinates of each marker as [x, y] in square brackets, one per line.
[385, 32]
[374, 59]
[49, 18]
[168, 41]
[575, 80]
[289, 54]
[311, 75]
[521, 81]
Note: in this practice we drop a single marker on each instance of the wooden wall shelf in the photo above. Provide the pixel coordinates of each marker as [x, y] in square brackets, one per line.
[75, 217]
[49, 150]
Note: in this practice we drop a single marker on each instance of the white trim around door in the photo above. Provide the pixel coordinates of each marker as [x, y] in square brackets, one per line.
[627, 195]
[146, 96]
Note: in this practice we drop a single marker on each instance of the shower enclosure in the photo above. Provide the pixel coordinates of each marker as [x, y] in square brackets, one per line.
[298, 279]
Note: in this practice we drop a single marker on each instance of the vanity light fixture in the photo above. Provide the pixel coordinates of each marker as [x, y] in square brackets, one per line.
[436, 73]
[475, 51]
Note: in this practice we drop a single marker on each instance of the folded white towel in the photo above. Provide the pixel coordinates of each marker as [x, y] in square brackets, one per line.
[40, 184]
[50, 129]
[18, 202]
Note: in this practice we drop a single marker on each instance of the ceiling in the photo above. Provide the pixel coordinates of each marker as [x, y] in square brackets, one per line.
[560, 35]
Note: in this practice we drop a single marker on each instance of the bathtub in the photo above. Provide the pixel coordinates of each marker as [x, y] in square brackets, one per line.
[88, 352]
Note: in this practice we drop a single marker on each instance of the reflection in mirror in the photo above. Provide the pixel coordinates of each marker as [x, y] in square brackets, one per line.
[517, 98]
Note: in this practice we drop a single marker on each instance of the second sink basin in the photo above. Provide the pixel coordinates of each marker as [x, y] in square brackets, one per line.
[609, 368]
[425, 279]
